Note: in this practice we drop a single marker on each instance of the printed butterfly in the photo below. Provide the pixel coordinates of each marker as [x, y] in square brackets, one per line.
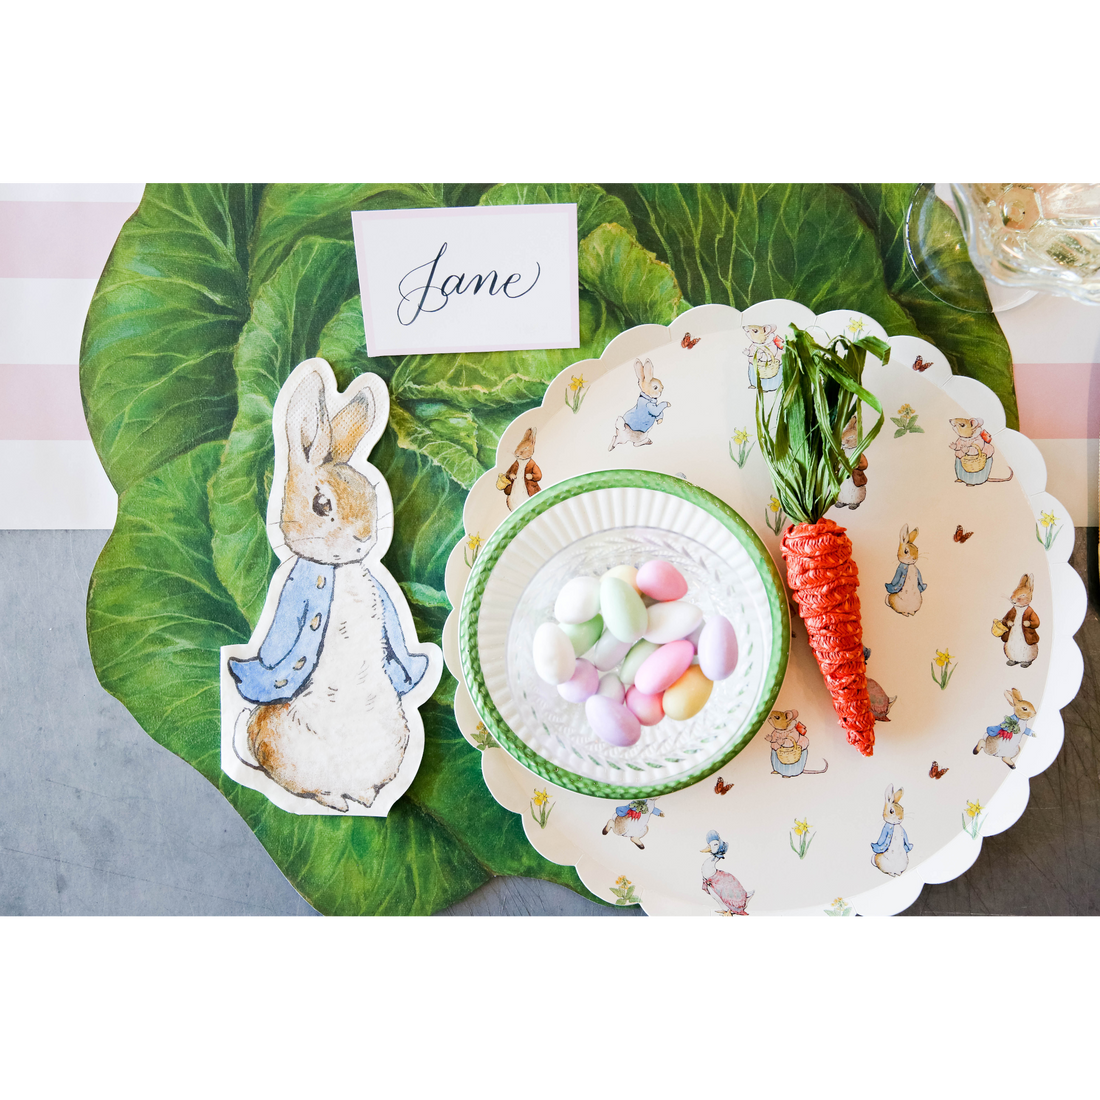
[688, 342]
[722, 788]
[936, 772]
[961, 535]
[920, 365]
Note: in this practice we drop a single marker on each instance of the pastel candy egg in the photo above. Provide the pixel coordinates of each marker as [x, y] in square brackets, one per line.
[638, 652]
[582, 684]
[669, 622]
[664, 667]
[685, 698]
[609, 651]
[611, 721]
[611, 687]
[661, 581]
[583, 635]
[625, 573]
[646, 708]
[623, 611]
[555, 661]
[717, 648]
[578, 600]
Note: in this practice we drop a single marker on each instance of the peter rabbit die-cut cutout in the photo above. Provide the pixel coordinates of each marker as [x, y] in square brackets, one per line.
[319, 709]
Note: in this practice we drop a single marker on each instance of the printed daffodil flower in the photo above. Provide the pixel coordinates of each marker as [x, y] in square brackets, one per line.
[856, 326]
[774, 504]
[1048, 519]
[622, 880]
[740, 436]
[906, 410]
[801, 827]
[474, 542]
[973, 809]
[575, 383]
[541, 798]
[942, 657]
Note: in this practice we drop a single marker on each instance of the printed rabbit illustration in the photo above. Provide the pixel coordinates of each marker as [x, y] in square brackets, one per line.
[891, 850]
[1006, 739]
[335, 665]
[904, 592]
[532, 475]
[635, 424]
[853, 491]
[1021, 639]
[632, 820]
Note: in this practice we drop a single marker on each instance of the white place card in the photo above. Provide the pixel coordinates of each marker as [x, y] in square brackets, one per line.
[471, 278]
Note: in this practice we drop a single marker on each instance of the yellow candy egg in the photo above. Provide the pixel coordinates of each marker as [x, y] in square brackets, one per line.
[685, 698]
[625, 573]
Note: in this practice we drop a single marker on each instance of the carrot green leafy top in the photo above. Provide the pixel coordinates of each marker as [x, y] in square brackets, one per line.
[801, 434]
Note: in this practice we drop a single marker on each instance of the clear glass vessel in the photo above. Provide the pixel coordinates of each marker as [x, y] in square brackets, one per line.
[1039, 236]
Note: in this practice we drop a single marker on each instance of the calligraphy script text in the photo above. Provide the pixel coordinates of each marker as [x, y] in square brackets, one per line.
[433, 294]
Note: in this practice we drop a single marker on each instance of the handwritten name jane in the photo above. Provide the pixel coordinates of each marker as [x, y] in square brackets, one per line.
[431, 297]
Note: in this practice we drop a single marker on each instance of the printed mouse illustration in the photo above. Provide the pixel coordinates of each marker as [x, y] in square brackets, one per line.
[765, 356]
[974, 451]
[339, 660]
[790, 745]
[532, 475]
[1007, 738]
[853, 491]
[632, 820]
[891, 850]
[635, 424]
[904, 592]
[1017, 627]
[721, 885]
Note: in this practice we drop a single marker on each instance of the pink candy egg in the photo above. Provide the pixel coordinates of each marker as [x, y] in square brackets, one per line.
[646, 708]
[661, 581]
[611, 721]
[664, 667]
[582, 684]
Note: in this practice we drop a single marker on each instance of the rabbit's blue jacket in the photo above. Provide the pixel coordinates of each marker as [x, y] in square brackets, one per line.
[887, 835]
[645, 414]
[289, 653]
[899, 578]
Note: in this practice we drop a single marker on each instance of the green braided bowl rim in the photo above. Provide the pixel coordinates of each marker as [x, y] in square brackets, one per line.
[542, 502]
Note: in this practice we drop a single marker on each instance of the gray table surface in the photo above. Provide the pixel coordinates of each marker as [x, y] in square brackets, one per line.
[98, 819]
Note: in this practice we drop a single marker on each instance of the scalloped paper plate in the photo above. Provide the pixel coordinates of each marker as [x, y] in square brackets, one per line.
[585, 526]
[797, 833]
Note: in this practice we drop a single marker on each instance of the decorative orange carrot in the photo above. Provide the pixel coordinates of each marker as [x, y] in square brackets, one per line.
[801, 439]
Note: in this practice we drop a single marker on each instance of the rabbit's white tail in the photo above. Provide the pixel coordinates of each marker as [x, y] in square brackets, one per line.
[240, 740]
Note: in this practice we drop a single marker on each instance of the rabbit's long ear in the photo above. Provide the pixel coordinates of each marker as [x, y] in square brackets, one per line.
[1030, 581]
[890, 793]
[1013, 697]
[350, 424]
[904, 533]
[308, 430]
[647, 371]
[913, 534]
[897, 795]
[639, 370]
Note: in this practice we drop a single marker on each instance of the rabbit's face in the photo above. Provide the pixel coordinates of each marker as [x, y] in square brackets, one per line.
[330, 509]
[907, 546]
[892, 811]
[339, 520]
[653, 387]
[1025, 590]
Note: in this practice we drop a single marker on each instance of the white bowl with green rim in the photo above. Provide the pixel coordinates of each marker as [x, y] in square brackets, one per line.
[583, 527]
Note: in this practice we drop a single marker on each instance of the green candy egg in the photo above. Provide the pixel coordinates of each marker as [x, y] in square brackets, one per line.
[634, 658]
[622, 608]
[584, 635]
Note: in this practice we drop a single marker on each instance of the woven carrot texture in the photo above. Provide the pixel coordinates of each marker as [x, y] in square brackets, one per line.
[825, 583]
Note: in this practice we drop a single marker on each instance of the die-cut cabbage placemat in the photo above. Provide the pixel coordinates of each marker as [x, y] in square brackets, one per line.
[213, 293]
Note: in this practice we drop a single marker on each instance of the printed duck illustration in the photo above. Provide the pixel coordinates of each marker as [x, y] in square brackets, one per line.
[721, 885]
